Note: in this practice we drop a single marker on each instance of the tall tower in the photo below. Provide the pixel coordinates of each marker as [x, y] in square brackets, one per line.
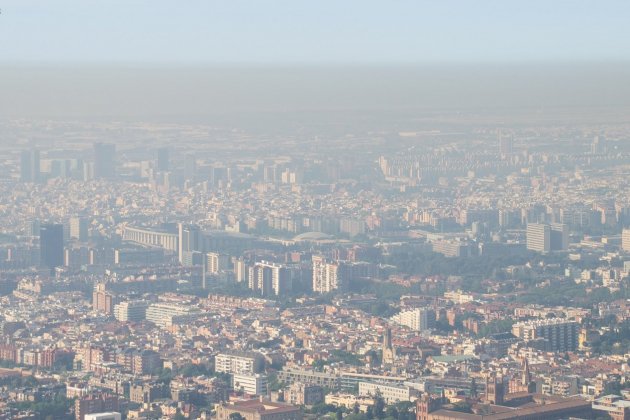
[495, 389]
[425, 405]
[51, 245]
[104, 160]
[29, 166]
[189, 240]
[506, 144]
[389, 355]
[162, 163]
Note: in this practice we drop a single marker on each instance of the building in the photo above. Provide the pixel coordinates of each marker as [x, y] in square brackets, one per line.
[625, 240]
[146, 362]
[148, 392]
[189, 240]
[506, 144]
[29, 166]
[326, 275]
[166, 314]
[252, 384]
[104, 160]
[133, 311]
[392, 393]
[558, 334]
[95, 403]
[162, 162]
[559, 239]
[51, 245]
[258, 409]
[240, 270]
[545, 238]
[613, 406]
[241, 363]
[216, 263]
[79, 228]
[309, 377]
[389, 352]
[419, 319]
[103, 416]
[523, 406]
[304, 394]
[350, 401]
[103, 300]
[269, 278]
[538, 237]
[151, 237]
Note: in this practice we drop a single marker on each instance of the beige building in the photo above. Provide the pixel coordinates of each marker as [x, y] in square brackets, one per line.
[258, 410]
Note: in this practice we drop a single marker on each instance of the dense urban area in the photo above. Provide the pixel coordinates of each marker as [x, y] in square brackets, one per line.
[440, 268]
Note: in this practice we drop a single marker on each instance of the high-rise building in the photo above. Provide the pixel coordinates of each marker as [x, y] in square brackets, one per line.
[270, 278]
[133, 311]
[559, 334]
[625, 240]
[79, 228]
[545, 238]
[538, 237]
[419, 319]
[51, 245]
[326, 275]
[104, 160]
[506, 144]
[190, 167]
[103, 300]
[95, 403]
[559, 237]
[240, 269]
[29, 166]
[162, 163]
[189, 240]
[215, 262]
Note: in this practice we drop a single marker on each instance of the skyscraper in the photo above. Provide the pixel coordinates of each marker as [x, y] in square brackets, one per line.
[162, 161]
[538, 237]
[506, 144]
[79, 228]
[29, 166]
[104, 160]
[545, 238]
[51, 245]
[189, 240]
[326, 276]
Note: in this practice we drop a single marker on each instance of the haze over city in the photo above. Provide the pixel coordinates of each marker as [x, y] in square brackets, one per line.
[287, 210]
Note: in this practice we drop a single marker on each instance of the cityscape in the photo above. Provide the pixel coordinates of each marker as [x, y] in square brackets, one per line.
[340, 259]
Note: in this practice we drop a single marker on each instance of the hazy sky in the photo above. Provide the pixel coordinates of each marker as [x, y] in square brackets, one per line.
[313, 31]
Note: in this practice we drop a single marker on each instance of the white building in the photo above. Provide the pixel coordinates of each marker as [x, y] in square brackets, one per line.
[166, 315]
[215, 262]
[131, 311]
[103, 416]
[391, 393]
[254, 384]
[245, 363]
[418, 319]
[326, 276]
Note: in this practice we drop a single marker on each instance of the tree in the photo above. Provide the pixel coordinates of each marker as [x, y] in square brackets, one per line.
[392, 412]
[379, 405]
[339, 414]
[236, 416]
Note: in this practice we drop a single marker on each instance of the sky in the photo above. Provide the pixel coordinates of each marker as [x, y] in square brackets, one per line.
[313, 31]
